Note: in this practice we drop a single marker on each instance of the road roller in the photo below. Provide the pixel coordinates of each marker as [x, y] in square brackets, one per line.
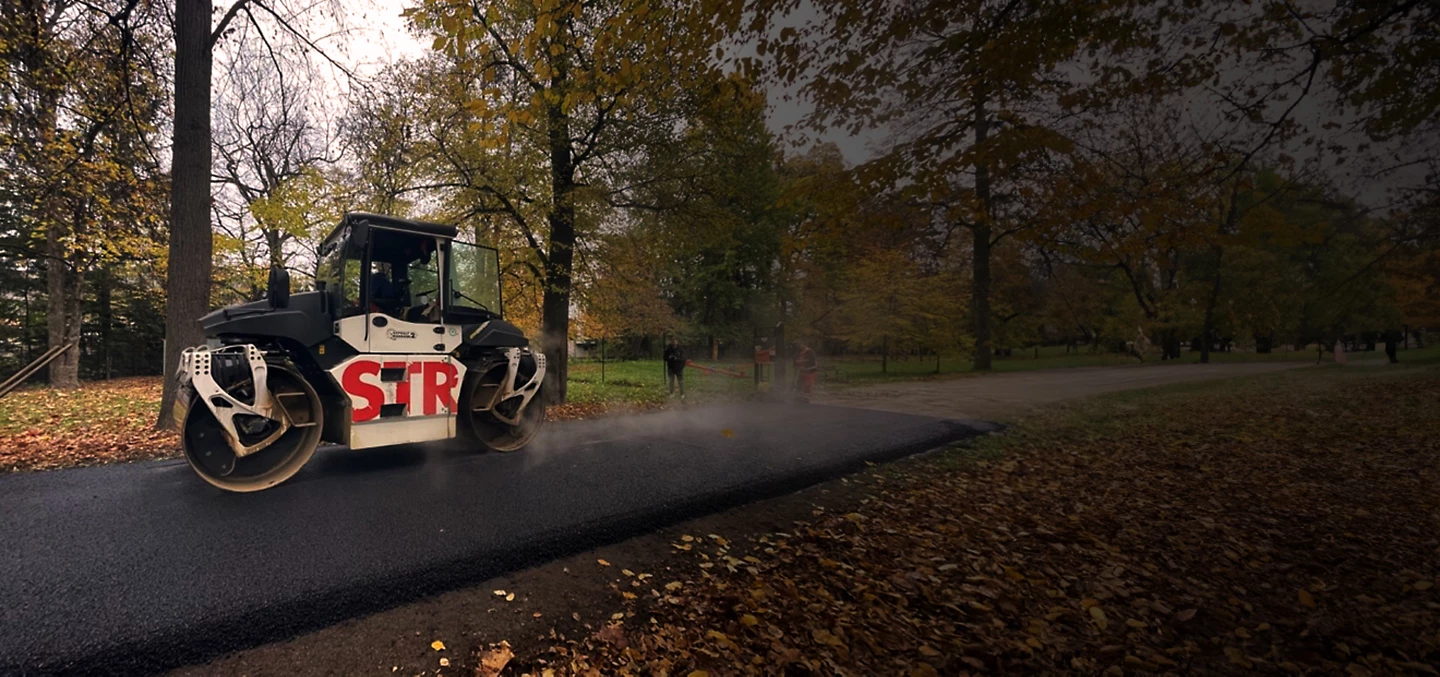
[401, 341]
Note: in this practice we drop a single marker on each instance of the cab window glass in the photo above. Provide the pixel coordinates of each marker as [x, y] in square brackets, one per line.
[474, 277]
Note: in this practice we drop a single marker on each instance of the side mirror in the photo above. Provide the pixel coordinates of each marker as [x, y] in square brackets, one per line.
[277, 291]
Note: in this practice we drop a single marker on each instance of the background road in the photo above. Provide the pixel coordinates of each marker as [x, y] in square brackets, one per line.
[140, 567]
[1000, 396]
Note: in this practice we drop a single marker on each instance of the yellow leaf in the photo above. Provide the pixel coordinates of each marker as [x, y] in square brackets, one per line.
[603, 563]
[627, 572]
[437, 645]
[673, 586]
[444, 662]
[1307, 599]
[749, 621]
[499, 593]
[727, 432]
[1099, 615]
[510, 597]
[1134, 623]
[699, 673]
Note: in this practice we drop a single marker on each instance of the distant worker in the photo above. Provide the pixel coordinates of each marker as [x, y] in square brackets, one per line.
[675, 367]
[806, 367]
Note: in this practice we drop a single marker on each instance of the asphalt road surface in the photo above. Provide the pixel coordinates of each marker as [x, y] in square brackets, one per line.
[141, 567]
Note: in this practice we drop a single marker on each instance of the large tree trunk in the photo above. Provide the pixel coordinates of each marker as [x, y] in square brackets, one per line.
[981, 248]
[555, 308]
[187, 285]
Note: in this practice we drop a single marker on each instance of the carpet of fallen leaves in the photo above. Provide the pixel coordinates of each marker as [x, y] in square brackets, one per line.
[99, 422]
[1283, 524]
[114, 422]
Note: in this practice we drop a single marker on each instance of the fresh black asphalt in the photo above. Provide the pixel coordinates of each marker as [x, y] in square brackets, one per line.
[137, 568]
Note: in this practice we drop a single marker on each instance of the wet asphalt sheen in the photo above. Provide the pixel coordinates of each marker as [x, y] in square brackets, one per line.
[141, 567]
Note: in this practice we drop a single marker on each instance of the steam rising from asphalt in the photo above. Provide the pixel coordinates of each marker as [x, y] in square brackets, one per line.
[705, 424]
[704, 428]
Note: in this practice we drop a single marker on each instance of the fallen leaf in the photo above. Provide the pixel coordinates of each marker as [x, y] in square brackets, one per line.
[749, 621]
[603, 563]
[494, 660]
[1099, 615]
[1185, 615]
[1307, 599]
[444, 662]
[437, 645]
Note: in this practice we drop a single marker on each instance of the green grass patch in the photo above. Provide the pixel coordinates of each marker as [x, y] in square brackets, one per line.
[642, 382]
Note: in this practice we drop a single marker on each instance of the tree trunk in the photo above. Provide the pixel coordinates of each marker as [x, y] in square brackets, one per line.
[1208, 332]
[107, 321]
[187, 283]
[1171, 344]
[555, 310]
[981, 248]
[62, 310]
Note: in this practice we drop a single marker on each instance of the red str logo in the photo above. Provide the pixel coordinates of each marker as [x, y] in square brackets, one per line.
[438, 383]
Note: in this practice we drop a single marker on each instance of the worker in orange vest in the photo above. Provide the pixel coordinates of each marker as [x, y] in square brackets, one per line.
[806, 368]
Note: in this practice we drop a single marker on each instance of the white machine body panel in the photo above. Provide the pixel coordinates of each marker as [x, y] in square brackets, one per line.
[398, 398]
[397, 336]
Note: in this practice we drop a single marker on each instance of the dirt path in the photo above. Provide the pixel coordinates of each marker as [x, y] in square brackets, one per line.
[1002, 396]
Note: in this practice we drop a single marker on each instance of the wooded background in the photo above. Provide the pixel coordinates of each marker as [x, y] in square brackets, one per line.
[1115, 175]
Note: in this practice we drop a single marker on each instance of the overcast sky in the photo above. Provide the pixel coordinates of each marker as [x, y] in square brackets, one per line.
[377, 36]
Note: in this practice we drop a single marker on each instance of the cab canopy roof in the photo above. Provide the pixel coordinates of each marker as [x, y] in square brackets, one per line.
[396, 223]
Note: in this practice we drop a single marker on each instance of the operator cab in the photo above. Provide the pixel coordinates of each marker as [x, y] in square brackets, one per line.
[411, 271]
